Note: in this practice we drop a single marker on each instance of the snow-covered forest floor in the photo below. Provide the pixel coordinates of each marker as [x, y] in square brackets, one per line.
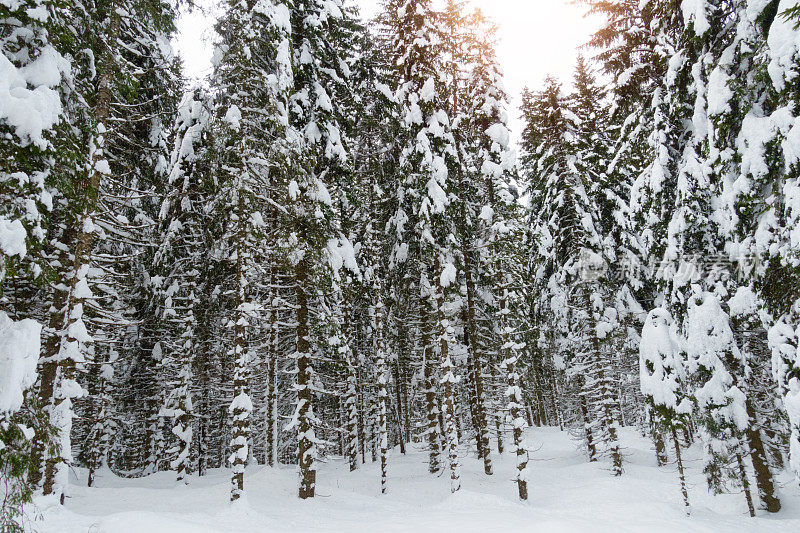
[566, 494]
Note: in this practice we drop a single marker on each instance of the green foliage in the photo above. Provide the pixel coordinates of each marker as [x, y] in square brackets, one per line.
[17, 464]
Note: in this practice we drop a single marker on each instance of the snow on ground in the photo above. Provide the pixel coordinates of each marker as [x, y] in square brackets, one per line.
[567, 494]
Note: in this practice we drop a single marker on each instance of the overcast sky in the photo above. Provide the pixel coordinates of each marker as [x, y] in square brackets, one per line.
[537, 38]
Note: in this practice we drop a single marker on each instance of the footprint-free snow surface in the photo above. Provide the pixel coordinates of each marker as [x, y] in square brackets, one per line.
[567, 494]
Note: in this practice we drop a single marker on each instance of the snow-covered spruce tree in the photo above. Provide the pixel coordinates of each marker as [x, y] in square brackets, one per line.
[592, 149]
[496, 223]
[369, 110]
[315, 245]
[662, 380]
[421, 224]
[124, 57]
[719, 370]
[545, 150]
[181, 260]
[32, 72]
[561, 162]
[763, 200]
[493, 220]
[733, 82]
[699, 181]
[33, 75]
[627, 53]
[127, 221]
[480, 133]
[253, 70]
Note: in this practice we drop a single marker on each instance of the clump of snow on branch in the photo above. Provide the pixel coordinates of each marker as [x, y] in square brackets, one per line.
[19, 354]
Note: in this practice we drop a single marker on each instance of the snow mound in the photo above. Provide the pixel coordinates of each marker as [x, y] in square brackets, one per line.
[465, 500]
[19, 353]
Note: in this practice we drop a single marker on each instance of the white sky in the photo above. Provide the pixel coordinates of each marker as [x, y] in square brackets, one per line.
[536, 38]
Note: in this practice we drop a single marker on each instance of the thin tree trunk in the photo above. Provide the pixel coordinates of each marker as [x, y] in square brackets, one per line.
[745, 484]
[677, 445]
[271, 358]
[514, 395]
[351, 417]
[475, 360]
[587, 428]
[383, 377]
[432, 431]
[399, 400]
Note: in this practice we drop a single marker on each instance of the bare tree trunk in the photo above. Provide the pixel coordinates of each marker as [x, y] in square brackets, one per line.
[399, 401]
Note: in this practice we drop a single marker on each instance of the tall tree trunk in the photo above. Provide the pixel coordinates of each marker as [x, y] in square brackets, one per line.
[606, 392]
[399, 401]
[448, 381]
[431, 404]
[383, 395]
[764, 482]
[514, 395]
[272, 389]
[58, 383]
[241, 406]
[403, 373]
[475, 360]
[306, 445]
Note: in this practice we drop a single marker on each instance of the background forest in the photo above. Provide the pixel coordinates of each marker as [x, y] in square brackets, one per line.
[329, 248]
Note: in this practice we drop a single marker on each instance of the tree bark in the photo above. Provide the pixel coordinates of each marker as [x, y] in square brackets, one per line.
[764, 482]
[306, 446]
[677, 445]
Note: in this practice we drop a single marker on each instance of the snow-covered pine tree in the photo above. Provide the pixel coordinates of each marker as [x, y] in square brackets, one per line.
[545, 144]
[181, 260]
[719, 371]
[562, 161]
[122, 60]
[253, 68]
[32, 76]
[421, 225]
[662, 380]
[591, 152]
[317, 118]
